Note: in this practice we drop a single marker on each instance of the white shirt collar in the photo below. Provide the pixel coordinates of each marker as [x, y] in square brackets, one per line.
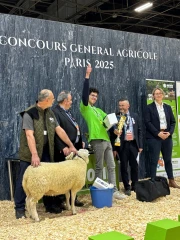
[159, 105]
[128, 113]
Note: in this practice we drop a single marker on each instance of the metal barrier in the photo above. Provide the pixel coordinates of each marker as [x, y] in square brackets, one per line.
[10, 173]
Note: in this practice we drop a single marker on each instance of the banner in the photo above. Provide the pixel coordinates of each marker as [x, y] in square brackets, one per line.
[172, 94]
[178, 105]
[90, 175]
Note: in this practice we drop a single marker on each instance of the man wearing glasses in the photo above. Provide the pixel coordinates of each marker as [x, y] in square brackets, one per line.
[98, 136]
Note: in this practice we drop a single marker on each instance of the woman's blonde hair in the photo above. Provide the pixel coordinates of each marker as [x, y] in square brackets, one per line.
[157, 88]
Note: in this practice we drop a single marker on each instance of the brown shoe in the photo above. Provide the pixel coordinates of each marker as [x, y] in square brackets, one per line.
[173, 184]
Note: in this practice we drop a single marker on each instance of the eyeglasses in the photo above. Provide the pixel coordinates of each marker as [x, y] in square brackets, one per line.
[157, 93]
[93, 95]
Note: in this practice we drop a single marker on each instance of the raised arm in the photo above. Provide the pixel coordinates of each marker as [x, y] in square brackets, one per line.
[85, 93]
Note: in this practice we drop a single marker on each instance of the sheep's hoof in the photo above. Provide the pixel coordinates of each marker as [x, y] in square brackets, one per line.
[74, 213]
[36, 219]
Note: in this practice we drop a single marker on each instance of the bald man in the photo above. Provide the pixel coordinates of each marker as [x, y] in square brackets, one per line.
[131, 144]
[37, 144]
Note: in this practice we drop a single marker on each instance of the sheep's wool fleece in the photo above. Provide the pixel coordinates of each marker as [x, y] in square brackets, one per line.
[54, 178]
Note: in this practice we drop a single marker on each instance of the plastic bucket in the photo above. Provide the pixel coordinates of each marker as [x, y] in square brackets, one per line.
[101, 197]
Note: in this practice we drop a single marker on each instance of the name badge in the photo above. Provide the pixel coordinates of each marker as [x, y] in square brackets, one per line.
[129, 136]
[45, 132]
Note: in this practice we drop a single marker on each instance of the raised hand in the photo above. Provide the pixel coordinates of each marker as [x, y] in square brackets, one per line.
[88, 70]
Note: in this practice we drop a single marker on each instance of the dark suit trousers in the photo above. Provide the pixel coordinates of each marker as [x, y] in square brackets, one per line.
[128, 154]
[165, 146]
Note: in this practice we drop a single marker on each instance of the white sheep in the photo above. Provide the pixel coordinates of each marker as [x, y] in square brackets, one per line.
[52, 179]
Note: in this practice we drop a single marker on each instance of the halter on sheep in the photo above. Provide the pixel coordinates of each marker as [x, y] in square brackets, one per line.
[52, 179]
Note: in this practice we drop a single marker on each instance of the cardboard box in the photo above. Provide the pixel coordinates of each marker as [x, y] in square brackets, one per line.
[110, 120]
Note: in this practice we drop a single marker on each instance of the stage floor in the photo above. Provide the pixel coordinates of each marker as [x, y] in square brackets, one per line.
[128, 216]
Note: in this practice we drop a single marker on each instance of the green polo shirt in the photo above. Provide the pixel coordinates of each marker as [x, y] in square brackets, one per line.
[94, 119]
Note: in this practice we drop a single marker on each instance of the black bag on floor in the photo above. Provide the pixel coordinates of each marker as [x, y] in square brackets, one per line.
[149, 190]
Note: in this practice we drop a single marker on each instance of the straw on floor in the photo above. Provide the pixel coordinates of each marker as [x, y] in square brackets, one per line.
[128, 216]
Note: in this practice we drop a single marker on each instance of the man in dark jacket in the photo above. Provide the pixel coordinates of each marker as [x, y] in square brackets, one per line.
[71, 127]
[130, 144]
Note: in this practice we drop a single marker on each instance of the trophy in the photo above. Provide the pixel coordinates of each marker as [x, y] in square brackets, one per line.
[119, 127]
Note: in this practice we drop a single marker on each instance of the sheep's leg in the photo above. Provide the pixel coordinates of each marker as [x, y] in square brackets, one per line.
[73, 196]
[34, 210]
[28, 205]
[67, 200]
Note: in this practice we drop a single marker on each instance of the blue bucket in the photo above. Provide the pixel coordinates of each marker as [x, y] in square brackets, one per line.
[101, 197]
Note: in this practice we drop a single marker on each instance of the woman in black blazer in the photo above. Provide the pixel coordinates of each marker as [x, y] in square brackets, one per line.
[160, 124]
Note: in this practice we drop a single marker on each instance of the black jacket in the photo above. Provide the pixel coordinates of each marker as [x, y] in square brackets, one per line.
[152, 120]
[70, 129]
[136, 129]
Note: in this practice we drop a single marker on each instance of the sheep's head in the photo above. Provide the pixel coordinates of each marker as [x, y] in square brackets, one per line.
[84, 153]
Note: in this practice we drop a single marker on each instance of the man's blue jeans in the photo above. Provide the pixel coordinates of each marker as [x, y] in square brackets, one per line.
[20, 196]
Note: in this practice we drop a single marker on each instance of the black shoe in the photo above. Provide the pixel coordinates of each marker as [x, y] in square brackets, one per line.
[53, 209]
[133, 188]
[62, 206]
[78, 203]
[20, 214]
[127, 192]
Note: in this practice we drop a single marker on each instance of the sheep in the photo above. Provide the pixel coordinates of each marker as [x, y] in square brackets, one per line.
[52, 179]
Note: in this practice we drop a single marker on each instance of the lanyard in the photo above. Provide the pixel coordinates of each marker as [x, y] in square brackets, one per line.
[127, 124]
[74, 122]
[98, 115]
[72, 119]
